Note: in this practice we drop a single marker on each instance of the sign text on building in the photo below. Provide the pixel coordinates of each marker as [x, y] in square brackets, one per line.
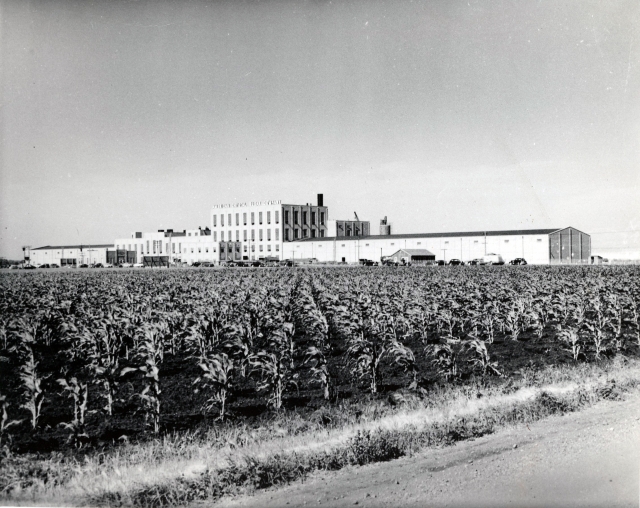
[252, 203]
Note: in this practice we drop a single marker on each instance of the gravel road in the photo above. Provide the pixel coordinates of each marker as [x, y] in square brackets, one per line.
[591, 458]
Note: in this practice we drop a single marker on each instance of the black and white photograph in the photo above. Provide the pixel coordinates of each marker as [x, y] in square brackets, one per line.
[290, 253]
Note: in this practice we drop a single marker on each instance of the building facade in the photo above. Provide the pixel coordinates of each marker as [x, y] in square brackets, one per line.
[258, 230]
[537, 246]
[187, 246]
[70, 255]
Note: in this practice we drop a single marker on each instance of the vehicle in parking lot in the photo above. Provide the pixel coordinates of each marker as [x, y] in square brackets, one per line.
[53, 265]
[518, 261]
[440, 262]
[476, 261]
[455, 262]
[84, 265]
[107, 265]
[45, 265]
[14, 267]
[138, 265]
[29, 267]
[492, 259]
[257, 263]
[125, 265]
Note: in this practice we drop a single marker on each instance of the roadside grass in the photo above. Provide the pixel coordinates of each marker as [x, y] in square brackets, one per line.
[230, 459]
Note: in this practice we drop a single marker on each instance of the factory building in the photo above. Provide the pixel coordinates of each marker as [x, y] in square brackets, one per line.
[259, 229]
[537, 246]
[164, 247]
[69, 255]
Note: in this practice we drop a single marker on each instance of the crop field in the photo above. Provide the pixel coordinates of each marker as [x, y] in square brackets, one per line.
[91, 362]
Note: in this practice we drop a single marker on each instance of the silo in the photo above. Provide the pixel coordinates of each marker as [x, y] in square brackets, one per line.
[385, 229]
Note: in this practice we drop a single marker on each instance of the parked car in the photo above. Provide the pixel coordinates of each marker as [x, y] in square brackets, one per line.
[440, 262]
[14, 267]
[84, 265]
[29, 267]
[53, 265]
[45, 265]
[476, 261]
[108, 265]
[126, 265]
[492, 259]
[98, 265]
[138, 265]
[257, 263]
[518, 261]
[455, 262]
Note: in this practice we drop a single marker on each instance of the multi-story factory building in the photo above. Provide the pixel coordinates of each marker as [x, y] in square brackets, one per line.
[258, 230]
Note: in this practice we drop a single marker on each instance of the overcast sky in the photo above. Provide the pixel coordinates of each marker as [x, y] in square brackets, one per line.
[121, 116]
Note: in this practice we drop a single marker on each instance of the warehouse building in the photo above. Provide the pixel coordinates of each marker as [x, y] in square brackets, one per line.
[537, 246]
[69, 255]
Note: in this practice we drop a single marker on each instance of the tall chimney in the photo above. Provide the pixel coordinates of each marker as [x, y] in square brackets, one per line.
[320, 200]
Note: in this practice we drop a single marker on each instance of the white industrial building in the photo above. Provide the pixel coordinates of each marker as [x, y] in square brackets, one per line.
[537, 246]
[69, 255]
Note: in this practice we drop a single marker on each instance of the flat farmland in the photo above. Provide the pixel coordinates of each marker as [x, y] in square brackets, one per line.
[179, 385]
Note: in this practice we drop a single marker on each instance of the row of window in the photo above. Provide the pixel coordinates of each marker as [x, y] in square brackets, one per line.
[244, 218]
[245, 235]
[156, 247]
[305, 218]
[245, 248]
[305, 234]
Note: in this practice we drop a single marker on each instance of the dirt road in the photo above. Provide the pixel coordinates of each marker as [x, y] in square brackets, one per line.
[591, 458]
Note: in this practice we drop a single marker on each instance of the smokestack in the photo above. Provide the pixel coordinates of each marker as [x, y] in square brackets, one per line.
[320, 200]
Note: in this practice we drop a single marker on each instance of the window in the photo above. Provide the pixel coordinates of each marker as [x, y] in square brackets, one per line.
[244, 218]
[166, 247]
[206, 249]
[253, 235]
[277, 217]
[237, 219]
[539, 239]
[199, 250]
[277, 248]
[277, 234]
[179, 248]
[222, 220]
[446, 242]
[245, 235]
[189, 234]
[173, 248]
[268, 234]
[313, 233]
[506, 241]
[245, 248]
[253, 248]
[322, 233]
[313, 218]
[475, 241]
[342, 245]
[191, 250]
[222, 236]
[286, 216]
[295, 234]
[215, 236]
[261, 249]
[237, 235]
[367, 245]
[214, 221]
[392, 243]
[229, 219]
[260, 233]
[295, 217]
[268, 217]
[214, 249]
[286, 235]
[260, 217]
[322, 218]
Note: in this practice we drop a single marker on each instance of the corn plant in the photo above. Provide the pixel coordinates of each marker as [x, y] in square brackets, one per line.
[79, 392]
[597, 323]
[217, 378]
[445, 358]
[633, 319]
[150, 352]
[571, 336]
[480, 358]
[615, 316]
[103, 351]
[274, 366]
[32, 387]
[5, 423]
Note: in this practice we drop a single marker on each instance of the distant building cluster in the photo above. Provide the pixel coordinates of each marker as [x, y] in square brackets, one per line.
[273, 231]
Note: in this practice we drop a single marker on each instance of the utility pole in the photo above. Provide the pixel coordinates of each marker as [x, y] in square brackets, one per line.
[445, 254]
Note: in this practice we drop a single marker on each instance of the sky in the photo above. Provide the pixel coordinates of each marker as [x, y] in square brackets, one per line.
[122, 116]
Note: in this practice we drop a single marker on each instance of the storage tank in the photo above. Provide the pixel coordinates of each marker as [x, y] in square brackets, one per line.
[385, 229]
